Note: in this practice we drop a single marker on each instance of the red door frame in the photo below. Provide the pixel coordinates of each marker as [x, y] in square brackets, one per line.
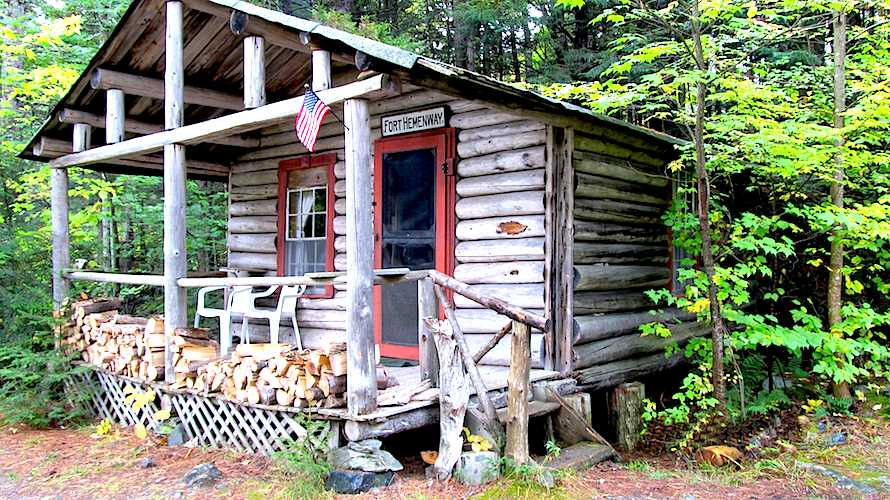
[308, 161]
[444, 141]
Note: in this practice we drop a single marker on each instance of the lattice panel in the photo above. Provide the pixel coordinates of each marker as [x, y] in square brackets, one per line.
[209, 421]
[106, 399]
[225, 424]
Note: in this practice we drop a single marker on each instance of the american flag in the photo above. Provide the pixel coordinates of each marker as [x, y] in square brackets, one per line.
[309, 119]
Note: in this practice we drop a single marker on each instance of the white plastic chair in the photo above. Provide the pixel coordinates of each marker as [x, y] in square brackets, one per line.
[224, 315]
[287, 302]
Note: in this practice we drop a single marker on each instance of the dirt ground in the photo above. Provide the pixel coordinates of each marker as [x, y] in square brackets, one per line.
[74, 464]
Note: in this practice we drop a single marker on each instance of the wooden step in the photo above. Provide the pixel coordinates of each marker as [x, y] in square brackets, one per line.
[535, 409]
[580, 456]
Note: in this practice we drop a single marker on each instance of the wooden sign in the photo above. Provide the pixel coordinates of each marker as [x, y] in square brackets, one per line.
[414, 121]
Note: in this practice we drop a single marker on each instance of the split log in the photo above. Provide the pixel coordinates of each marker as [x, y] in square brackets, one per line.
[498, 129]
[595, 187]
[528, 296]
[634, 345]
[252, 193]
[253, 260]
[500, 250]
[617, 212]
[254, 208]
[501, 205]
[617, 151]
[510, 227]
[259, 178]
[600, 277]
[492, 342]
[501, 272]
[256, 224]
[255, 243]
[454, 394]
[617, 253]
[611, 374]
[478, 294]
[474, 320]
[620, 233]
[510, 182]
[481, 118]
[595, 164]
[590, 328]
[607, 302]
[505, 161]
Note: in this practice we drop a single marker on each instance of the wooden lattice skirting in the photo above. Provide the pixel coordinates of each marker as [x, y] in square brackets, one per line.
[207, 420]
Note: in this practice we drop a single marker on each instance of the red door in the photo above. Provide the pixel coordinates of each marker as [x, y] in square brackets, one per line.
[413, 227]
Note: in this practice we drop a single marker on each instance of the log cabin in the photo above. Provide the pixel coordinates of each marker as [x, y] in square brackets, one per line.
[527, 208]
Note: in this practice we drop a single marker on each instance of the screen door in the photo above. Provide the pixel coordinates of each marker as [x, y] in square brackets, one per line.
[411, 196]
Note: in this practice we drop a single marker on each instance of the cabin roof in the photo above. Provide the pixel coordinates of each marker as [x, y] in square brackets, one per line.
[213, 60]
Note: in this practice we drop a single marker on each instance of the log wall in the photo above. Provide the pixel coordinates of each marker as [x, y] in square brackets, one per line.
[620, 250]
[499, 227]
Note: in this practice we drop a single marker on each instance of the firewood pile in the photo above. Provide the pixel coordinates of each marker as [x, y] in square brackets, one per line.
[254, 373]
[277, 374]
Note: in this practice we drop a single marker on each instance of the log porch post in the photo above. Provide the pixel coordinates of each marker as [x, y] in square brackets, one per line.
[114, 116]
[361, 394]
[175, 312]
[254, 72]
[321, 69]
[61, 240]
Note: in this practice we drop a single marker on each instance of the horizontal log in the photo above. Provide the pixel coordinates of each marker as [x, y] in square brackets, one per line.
[620, 233]
[253, 208]
[340, 206]
[257, 178]
[339, 225]
[608, 302]
[505, 161]
[501, 272]
[509, 182]
[507, 128]
[296, 148]
[617, 150]
[104, 79]
[465, 105]
[501, 205]
[500, 250]
[611, 374]
[223, 126]
[69, 115]
[601, 277]
[592, 186]
[633, 345]
[473, 320]
[519, 226]
[481, 118]
[490, 145]
[252, 193]
[340, 244]
[526, 296]
[261, 224]
[337, 303]
[255, 243]
[616, 212]
[252, 260]
[604, 166]
[604, 326]
[595, 253]
[356, 430]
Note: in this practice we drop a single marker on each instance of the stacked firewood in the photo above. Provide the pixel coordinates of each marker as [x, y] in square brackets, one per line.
[277, 374]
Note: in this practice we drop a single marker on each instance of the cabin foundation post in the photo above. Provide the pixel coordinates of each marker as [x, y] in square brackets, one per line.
[361, 394]
[254, 72]
[427, 307]
[175, 311]
[517, 394]
[626, 403]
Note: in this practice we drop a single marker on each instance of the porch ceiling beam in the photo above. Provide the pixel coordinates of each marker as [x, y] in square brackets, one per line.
[144, 86]
[69, 115]
[271, 32]
[48, 147]
[223, 126]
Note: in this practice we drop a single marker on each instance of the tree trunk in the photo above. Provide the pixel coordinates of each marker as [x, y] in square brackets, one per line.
[836, 260]
[703, 188]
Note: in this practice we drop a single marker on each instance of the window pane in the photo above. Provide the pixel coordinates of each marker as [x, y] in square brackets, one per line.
[292, 227]
[293, 202]
[319, 230]
[320, 201]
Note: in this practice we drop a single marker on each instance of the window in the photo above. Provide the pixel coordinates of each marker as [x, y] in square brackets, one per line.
[683, 194]
[305, 218]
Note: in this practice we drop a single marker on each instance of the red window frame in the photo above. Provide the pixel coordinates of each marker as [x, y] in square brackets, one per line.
[444, 142]
[303, 162]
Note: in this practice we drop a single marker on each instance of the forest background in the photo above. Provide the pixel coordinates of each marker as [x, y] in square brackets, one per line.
[786, 173]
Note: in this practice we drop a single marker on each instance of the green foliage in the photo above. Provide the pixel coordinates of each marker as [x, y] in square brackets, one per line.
[306, 458]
